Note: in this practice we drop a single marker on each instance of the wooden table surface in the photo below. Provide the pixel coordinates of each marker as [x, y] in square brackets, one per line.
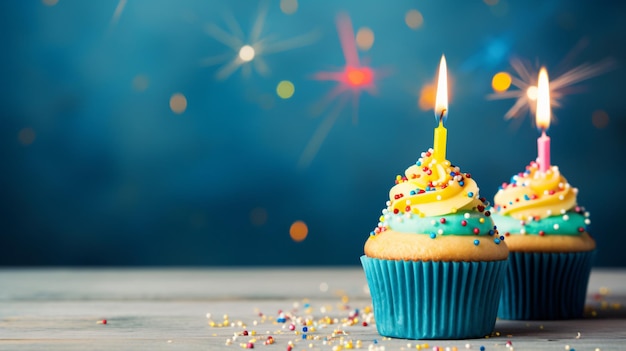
[167, 309]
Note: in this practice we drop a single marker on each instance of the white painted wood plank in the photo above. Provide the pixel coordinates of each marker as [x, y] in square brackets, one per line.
[165, 309]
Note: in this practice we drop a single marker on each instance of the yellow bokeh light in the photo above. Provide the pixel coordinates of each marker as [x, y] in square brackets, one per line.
[364, 38]
[289, 7]
[140, 83]
[531, 93]
[50, 2]
[258, 216]
[285, 89]
[414, 19]
[246, 53]
[428, 95]
[178, 103]
[600, 119]
[501, 82]
[26, 136]
[298, 231]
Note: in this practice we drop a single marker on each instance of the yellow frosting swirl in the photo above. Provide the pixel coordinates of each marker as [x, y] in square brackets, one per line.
[433, 188]
[533, 194]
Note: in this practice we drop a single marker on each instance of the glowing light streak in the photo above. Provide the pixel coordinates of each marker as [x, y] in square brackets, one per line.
[118, 13]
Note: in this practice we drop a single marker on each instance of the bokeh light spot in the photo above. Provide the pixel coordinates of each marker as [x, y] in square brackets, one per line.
[600, 119]
[428, 95]
[414, 19]
[491, 2]
[178, 103]
[298, 231]
[140, 82]
[26, 136]
[246, 53]
[289, 7]
[258, 216]
[364, 38]
[501, 82]
[285, 89]
[531, 93]
[50, 2]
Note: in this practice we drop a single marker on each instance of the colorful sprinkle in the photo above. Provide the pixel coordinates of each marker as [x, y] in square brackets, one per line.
[476, 242]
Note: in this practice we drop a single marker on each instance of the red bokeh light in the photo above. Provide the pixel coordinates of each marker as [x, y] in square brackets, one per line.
[358, 76]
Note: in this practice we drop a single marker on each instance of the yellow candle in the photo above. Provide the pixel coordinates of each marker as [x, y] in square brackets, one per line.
[441, 111]
[439, 146]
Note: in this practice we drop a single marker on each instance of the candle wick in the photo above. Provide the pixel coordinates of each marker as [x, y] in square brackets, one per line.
[443, 111]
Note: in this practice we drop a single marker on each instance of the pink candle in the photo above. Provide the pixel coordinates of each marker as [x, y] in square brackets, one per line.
[543, 120]
[543, 148]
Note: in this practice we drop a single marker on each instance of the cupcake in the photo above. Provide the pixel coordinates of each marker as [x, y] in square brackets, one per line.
[551, 250]
[435, 262]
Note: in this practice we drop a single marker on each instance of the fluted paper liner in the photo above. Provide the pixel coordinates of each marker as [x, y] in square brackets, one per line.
[539, 286]
[434, 300]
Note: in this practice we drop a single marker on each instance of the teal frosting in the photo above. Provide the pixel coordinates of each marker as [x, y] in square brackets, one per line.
[451, 225]
[569, 223]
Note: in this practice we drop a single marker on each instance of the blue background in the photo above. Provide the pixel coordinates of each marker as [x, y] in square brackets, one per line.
[97, 170]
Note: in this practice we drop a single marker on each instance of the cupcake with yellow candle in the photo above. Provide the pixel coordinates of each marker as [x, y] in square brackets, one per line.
[435, 262]
[546, 232]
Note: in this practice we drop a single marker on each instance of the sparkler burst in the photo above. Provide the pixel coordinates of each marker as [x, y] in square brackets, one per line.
[352, 80]
[526, 81]
[248, 50]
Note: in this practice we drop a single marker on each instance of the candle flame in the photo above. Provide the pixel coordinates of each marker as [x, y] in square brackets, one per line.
[441, 100]
[543, 100]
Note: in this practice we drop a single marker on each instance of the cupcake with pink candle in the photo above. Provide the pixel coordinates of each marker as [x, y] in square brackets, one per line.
[546, 232]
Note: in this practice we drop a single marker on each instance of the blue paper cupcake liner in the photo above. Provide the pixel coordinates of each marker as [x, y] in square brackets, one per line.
[434, 300]
[540, 286]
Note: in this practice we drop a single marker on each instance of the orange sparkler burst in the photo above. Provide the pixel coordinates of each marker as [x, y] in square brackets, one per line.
[354, 78]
